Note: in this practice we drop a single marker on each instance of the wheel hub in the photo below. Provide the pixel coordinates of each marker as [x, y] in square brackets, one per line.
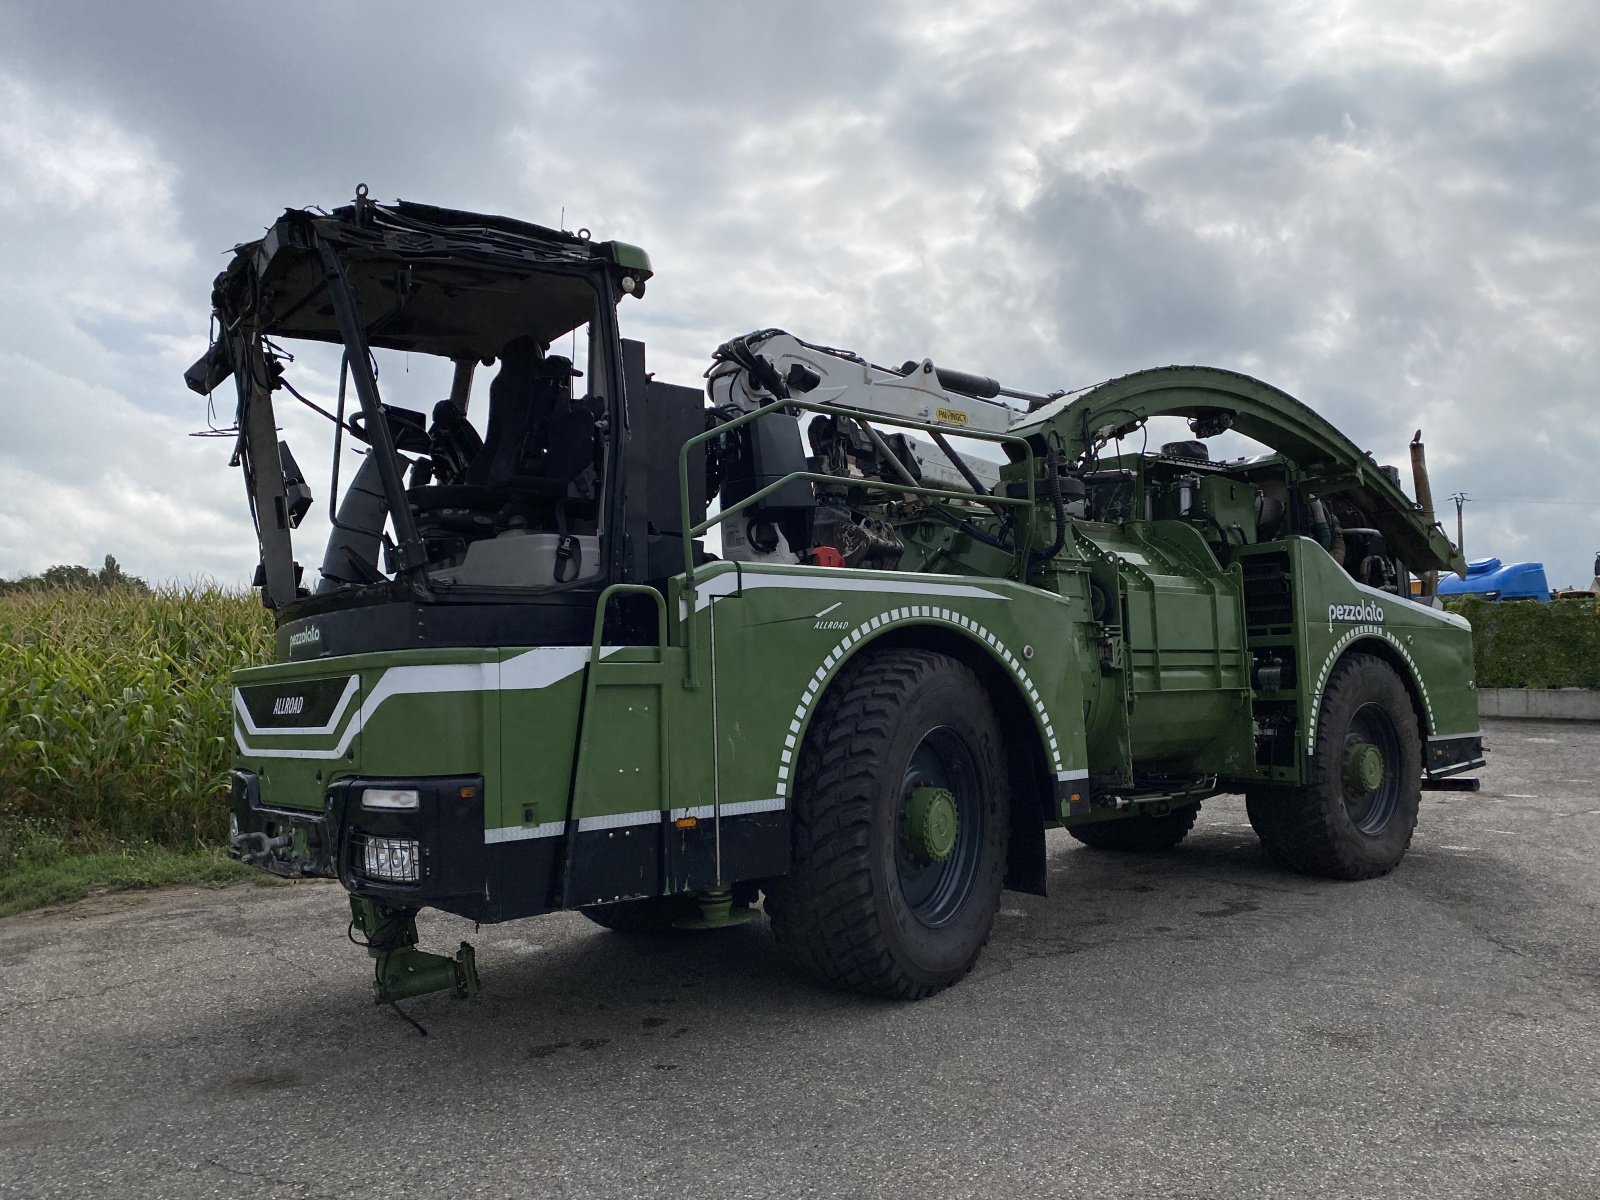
[932, 822]
[1363, 767]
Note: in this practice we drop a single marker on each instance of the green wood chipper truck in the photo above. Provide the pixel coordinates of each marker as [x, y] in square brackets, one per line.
[839, 638]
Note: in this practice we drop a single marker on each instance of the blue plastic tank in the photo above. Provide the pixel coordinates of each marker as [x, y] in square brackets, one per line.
[1494, 580]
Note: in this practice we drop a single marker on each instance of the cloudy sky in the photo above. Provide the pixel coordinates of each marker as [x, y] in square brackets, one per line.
[1390, 211]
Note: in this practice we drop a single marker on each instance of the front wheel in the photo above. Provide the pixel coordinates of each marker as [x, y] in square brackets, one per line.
[1355, 819]
[899, 825]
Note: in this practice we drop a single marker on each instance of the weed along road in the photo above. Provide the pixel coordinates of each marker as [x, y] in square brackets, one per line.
[1208, 1025]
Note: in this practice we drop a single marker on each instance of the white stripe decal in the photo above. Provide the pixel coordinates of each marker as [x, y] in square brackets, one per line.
[742, 808]
[745, 808]
[523, 833]
[1013, 664]
[619, 820]
[540, 668]
[1360, 631]
[528, 671]
[297, 730]
[885, 583]
[1069, 776]
[700, 812]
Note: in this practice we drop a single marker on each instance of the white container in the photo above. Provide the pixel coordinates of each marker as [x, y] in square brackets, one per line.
[522, 558]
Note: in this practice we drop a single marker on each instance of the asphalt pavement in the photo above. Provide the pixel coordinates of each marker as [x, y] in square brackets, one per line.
[1190, 1024]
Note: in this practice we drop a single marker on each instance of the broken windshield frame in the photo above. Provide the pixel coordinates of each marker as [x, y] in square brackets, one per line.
[471, 289]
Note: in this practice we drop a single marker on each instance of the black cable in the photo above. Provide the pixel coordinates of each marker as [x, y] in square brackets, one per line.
[338, 435]
[741, 352]
[959, 463]
[398, 943]
[972, 531]
[415, 1024]
[317, 408]
[1059, 502]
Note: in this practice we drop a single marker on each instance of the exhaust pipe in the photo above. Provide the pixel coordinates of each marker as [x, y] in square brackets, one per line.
[1424, 490]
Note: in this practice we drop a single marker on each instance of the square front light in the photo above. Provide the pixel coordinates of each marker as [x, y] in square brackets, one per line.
[391, 799]
[395, 860]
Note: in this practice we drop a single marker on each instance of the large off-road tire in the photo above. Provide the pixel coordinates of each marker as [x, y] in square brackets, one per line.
[1356, 817]
[1264, 806]
[652, 914]
[1139, 833]
[869, 904]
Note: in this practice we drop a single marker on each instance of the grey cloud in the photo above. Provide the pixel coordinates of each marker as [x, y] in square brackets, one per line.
[1390, 215]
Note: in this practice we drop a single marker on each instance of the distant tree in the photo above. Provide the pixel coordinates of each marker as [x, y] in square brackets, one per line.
[68, 577]
[110, 575]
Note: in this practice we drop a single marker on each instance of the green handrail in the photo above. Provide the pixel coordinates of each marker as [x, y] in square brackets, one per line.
[630, 589]
[692, 531]
[882, 485]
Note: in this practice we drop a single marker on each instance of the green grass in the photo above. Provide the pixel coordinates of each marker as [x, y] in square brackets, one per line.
[39, 867]
[115, 737]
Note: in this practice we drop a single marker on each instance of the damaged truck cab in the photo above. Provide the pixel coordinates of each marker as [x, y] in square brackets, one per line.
[522, 680]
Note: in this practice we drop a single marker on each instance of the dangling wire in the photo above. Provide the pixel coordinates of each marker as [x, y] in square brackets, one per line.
[338, 434]
[415, 1024]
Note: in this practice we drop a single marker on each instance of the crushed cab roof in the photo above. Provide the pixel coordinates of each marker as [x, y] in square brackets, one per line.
[426, 279]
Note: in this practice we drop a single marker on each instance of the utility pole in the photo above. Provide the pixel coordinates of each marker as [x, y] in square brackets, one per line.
[1461, 546]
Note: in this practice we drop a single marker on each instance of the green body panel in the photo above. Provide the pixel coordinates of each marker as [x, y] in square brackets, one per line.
[1139, 665]
[1182, 632]
[625, 254]
[1163, 684]
[377, 724]
[1430, 647]
[622, 761]
[780, 635]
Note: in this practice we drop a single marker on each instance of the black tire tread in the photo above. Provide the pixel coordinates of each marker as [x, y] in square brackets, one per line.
[823, 912]
[1138, 834]
[1300, 832]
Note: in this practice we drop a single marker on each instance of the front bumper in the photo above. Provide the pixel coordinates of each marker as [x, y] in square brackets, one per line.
[447, 827]
[1451, 754]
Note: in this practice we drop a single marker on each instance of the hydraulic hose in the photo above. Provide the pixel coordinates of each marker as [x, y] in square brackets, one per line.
[973, 532]
[1059, 503]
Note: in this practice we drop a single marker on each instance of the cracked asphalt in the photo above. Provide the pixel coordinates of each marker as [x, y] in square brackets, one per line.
[1190, 1024]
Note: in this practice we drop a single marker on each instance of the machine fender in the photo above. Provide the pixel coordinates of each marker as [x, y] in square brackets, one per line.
[1375, 640]
[1053, 759]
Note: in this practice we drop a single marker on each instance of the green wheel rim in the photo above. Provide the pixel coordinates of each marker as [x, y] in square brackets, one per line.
[939, 827]
[1370, 777]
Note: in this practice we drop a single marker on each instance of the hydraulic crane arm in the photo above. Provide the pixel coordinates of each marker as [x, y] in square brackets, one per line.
[752, 370]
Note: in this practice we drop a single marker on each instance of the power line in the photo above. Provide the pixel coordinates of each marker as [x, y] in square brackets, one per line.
[1525, 500]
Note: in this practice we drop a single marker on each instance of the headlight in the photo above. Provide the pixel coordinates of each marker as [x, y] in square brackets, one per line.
[393, 859]
[390, 798]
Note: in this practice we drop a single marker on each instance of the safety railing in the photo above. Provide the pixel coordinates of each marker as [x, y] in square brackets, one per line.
[628, 589]
[693, 531]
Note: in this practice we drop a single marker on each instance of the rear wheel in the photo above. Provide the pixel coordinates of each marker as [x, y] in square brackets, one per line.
[1355, 819]
[899, 829]
[1139, 833]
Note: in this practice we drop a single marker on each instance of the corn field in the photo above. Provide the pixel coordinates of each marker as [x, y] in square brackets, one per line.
[114, 711]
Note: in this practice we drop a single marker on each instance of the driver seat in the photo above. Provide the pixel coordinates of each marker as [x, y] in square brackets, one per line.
[539, 439]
